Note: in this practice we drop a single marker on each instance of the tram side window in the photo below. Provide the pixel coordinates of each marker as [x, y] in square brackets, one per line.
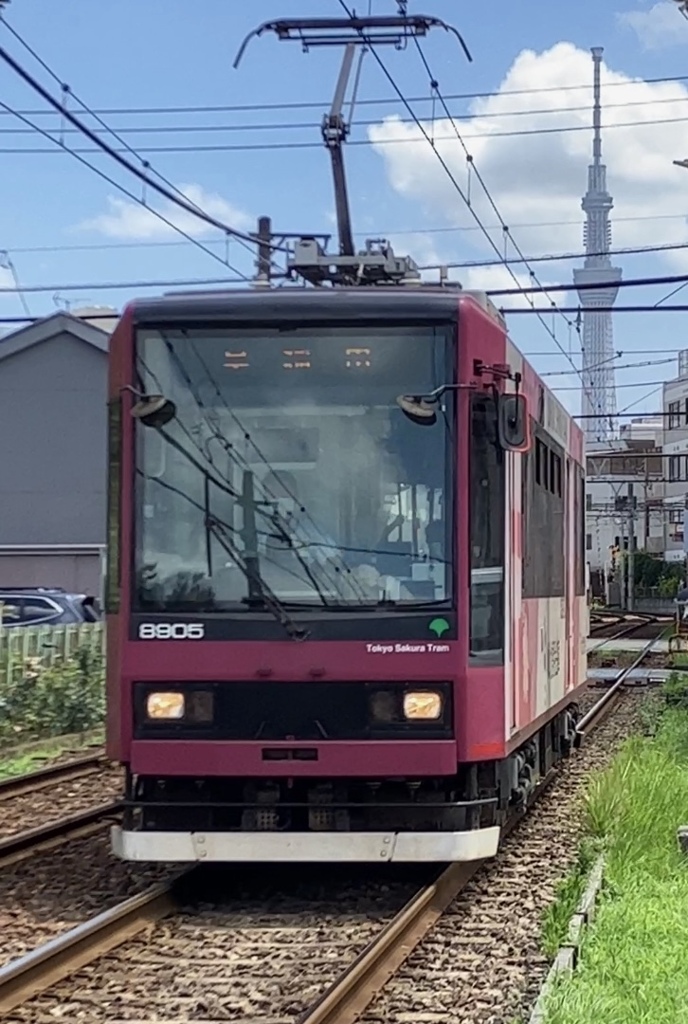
[543, 519]
[487, 526]
[579, 526]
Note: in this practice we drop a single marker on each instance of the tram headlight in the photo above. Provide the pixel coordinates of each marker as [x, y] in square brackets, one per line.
[165, 705]
[422, 705]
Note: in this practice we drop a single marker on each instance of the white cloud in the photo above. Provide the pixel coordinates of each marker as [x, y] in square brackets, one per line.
[541, 177]
[661, 26]
[129, 220]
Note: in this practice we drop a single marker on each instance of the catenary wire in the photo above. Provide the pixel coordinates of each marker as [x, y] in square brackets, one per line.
[466, 264]
[383, 67]
[631, 282]
[162, 190]
[607, 362]
[67, 91]
[284, 146]
[312, 105]
[163, 129]
[474, 169]
[134, 198]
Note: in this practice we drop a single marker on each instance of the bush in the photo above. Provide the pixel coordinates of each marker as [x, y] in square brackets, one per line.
[38, 701]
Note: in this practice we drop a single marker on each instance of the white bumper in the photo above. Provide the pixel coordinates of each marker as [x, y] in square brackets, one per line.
[321, 847]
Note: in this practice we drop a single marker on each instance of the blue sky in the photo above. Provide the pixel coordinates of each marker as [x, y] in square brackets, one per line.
[159, 53]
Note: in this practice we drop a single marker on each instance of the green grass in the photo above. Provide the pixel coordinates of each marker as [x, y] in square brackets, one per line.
[634, 962]
[555, 920]
[40, 701]
[24, 759]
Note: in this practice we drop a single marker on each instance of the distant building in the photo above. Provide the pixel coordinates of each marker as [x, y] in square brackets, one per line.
[53, 394]
[629, 469]
[675, 410]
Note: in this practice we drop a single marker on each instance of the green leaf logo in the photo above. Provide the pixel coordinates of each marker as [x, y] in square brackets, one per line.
[439, 627]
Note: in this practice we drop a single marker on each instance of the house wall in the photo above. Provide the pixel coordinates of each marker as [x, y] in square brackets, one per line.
[78, 572]
[53, 467]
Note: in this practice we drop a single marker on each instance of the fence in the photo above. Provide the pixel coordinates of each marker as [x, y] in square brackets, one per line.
[19, 646]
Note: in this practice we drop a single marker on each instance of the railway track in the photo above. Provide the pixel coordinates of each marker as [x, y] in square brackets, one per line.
[276, 953]
[639, 627]
[34, 782]
[64, 801]
[30, 842]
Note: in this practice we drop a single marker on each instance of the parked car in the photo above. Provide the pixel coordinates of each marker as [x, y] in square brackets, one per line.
[46, 606]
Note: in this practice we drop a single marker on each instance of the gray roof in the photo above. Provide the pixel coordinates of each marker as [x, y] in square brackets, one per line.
[50, 327]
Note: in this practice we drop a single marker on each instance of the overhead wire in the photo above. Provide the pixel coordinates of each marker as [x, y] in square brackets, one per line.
[631, 282]
[7, 264]
[507, 311]
[465, 264]
[312, 105]
[431, 142]
[132, 196]
[521, 290]
[168, 193]
[116, 133]
[301, 125]
[605, 362]
[284, 146]
[473, 169]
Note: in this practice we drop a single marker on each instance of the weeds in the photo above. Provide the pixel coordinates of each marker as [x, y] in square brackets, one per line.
[555, 920]
[44, 701]
[633, 963]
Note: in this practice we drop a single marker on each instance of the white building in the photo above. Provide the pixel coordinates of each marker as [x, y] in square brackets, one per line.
[624, 478]
[675, 410]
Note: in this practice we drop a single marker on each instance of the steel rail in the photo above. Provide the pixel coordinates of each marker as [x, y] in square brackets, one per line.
[662, 622]
[44, 837]
[612, 694]
[59, 957]
[627, 631]
[30, 782]
[346, 999]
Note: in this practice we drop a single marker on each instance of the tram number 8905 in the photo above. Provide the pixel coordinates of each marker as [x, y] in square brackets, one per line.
[171, 631]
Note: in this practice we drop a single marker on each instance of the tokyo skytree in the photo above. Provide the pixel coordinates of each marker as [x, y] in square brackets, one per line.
[598, 402]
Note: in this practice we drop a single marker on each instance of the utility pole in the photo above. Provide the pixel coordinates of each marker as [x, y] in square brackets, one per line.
[266, 269]
[631, 548]
[264, 263]
[623, 565]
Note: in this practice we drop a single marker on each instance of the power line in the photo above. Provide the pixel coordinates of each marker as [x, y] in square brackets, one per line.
[308, 125]
[560, 257]
[68, 91]
[133, 197]
[254, 147]
[507, 311]
[513, 310]
[191, 282]
[473, 169]
[162, 190]
[635, 384]
[632, 282]
[110, 285]
[466, 199]
[313, 105]
[465, 264]
[605, 362]
[635, 352]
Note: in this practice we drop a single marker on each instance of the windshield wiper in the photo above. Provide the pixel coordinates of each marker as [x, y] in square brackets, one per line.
[257, 585]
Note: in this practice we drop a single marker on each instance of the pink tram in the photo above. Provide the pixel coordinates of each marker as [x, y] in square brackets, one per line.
[346, 584]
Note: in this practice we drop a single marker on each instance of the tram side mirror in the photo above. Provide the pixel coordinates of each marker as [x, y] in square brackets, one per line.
[153, 410]
[420, 409]
[513, 422]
